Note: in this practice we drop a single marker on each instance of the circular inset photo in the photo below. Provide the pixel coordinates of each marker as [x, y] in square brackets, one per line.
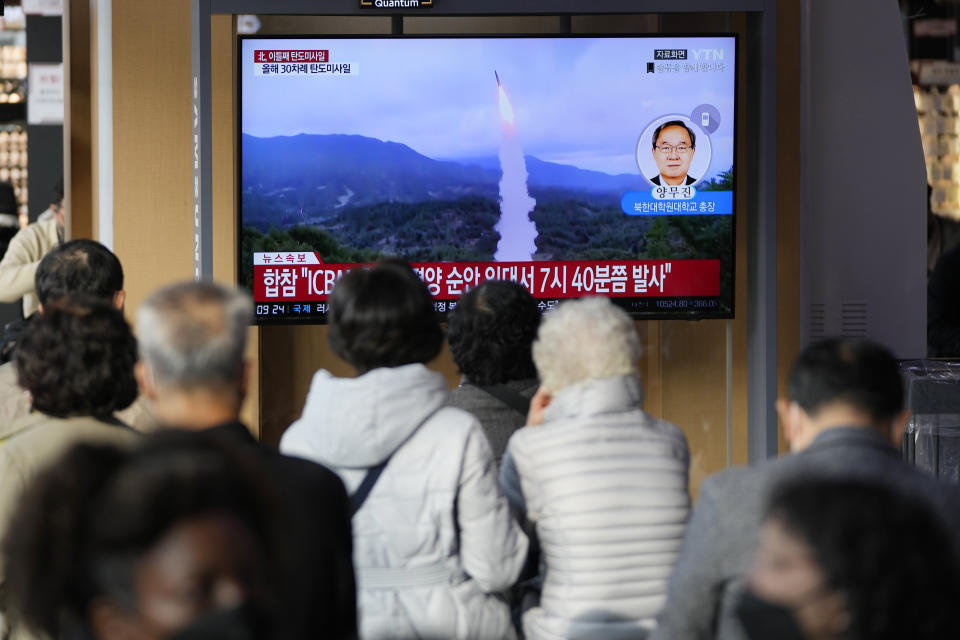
[673, 150]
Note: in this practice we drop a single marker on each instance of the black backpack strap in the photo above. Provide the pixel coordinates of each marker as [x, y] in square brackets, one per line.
[509, 397]
[373, 474]
[363, 491]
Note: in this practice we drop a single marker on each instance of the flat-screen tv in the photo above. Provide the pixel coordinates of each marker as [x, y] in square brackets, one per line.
[577, 166]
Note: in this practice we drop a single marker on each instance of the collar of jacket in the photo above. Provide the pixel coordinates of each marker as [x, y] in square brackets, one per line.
[27, 422]
[596, 396]
[856, 435]
[234, 431]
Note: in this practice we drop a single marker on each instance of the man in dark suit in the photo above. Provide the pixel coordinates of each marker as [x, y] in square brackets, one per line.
[845, 409]
[674, 145]
[192, 369]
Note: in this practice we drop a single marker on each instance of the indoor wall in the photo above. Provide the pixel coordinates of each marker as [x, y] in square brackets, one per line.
[694, 373]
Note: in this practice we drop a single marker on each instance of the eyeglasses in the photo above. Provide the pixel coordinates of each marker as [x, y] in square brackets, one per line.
[667, 149]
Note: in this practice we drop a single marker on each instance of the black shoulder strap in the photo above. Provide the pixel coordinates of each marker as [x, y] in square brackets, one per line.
[363, 491]
[509, 397]
[373, 474]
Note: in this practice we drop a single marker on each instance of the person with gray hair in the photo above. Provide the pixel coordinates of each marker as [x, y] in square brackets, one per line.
[193, 369]
[192, 341]
[604, 485]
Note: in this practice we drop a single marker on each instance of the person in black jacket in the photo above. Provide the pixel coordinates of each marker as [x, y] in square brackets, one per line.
[192, 369]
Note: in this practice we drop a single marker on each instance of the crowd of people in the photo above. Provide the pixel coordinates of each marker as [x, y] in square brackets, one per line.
[537, 500]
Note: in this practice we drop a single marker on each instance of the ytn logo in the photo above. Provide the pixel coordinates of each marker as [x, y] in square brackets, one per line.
[705, 55]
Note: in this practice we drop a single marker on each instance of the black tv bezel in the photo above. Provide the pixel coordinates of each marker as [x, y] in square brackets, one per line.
[689, 315]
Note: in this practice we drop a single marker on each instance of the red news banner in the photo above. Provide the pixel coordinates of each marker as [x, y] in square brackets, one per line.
[302, 276]
[291, 55]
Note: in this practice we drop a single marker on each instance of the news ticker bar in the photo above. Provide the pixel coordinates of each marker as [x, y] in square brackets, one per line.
[290, 277]
[304, 311]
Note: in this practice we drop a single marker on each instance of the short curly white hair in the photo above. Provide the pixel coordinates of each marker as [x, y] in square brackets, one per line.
[585, 339]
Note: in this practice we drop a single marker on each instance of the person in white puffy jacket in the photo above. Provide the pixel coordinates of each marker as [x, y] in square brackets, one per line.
[603, 483]
[435, 545]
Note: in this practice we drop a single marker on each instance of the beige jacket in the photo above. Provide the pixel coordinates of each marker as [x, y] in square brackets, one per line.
[28, 446]
[19, 263]
[14, 400]
[15, 403]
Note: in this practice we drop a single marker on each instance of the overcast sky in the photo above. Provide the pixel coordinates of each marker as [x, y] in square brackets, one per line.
[579, 101]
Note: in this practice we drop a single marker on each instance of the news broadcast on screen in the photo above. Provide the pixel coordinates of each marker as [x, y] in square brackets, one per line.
[576, 166]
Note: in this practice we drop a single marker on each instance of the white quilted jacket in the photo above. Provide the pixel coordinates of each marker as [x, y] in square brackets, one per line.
[606, 486]
[435, 541]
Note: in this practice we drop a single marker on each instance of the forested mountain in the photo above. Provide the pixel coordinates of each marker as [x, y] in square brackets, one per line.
[304, 179]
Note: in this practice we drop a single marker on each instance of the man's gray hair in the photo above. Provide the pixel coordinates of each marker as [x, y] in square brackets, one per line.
[585, 339]
[195, 334]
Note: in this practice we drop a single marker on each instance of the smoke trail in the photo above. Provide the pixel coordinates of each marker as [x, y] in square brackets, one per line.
[518, 233]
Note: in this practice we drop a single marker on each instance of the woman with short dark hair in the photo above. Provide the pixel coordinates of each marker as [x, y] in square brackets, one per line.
[490, 332]
[434, 541]
[76, 360]
[383, 317]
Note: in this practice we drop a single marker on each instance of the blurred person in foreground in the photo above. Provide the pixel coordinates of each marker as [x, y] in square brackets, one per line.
[490, 332]
[843, 415]
[849, 560]
[26, 249]
[603, 482]
[80, 268]
[171, 539]
[76, 360]
[434, 541]
[194, 374]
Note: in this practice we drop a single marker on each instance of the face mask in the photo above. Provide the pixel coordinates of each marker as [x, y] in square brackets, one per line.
[245, 622]
[764, 620]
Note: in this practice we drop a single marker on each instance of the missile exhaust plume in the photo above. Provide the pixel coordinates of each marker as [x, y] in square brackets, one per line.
[506, 109]
[518, 233]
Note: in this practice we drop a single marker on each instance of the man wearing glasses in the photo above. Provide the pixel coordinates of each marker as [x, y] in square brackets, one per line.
[674, 144]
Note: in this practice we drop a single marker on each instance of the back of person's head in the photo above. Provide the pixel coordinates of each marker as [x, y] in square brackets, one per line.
[582, 340]
[858, 373]
[491, 331]
[885, 551]
[383, 317]
[77, 359]
[194, 334]
[79, 267]
[99, 530]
